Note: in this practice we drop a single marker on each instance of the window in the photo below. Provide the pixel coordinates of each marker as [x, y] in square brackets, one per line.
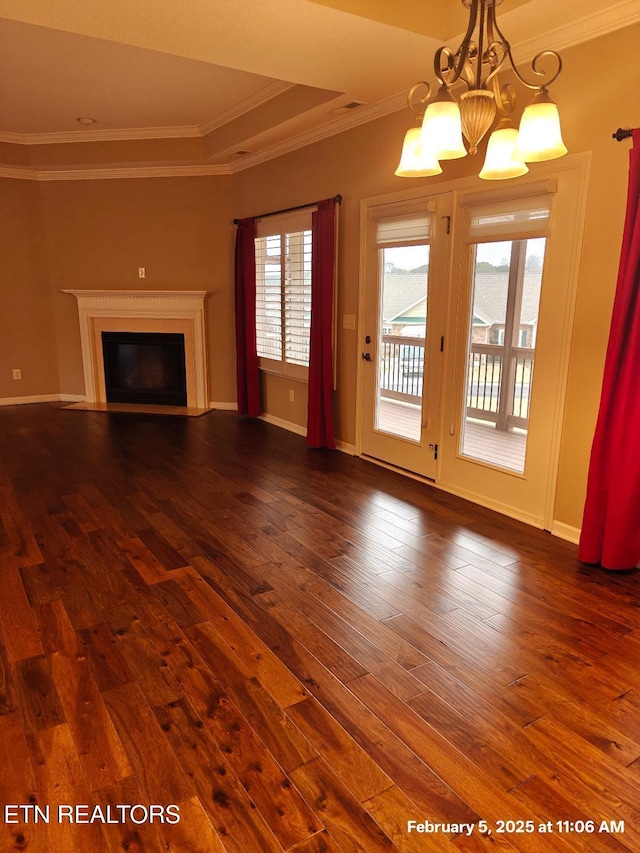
[283, 293]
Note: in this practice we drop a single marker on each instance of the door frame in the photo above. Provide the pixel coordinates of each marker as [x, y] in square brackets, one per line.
[580, 165]
[394, 449]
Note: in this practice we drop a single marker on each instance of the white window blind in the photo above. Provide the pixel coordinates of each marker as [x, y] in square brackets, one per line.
[515, 219]
[283, 288]
[402, 223]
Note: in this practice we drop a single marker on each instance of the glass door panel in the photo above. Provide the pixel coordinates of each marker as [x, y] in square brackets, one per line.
[401, 340]
[503, 325]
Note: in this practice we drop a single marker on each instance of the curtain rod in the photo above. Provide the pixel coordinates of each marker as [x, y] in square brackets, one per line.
[622, 133]
[337, 199]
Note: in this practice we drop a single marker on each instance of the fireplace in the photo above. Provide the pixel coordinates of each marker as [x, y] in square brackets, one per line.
[171, 315]
[144, 367]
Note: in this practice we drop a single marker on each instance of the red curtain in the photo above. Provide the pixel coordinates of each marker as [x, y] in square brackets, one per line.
[248, 382]
[611, 524]
[320, 431]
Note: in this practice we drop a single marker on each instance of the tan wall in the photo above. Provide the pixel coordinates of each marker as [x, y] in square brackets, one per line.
[99, 232]
[27, 339]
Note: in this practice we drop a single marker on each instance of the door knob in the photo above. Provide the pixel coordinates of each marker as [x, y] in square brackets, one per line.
[367, 340]
[366, 356]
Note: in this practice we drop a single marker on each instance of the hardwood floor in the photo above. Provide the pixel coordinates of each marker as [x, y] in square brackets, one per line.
[299, 650]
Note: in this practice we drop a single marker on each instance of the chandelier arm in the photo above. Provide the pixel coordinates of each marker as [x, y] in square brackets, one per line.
[535, 66]
[417, 105]
[441, 73]
[494, 49]
[457, 62]
[534, 62]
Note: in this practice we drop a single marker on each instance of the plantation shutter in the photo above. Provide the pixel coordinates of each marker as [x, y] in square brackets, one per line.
[283, 287]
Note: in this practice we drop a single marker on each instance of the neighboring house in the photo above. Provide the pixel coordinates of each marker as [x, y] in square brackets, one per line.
[403, 291]
[405, 311]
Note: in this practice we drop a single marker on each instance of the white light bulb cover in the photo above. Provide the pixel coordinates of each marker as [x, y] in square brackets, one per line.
[415, 162]
[540, 137]
[442, 129]
[500, 161]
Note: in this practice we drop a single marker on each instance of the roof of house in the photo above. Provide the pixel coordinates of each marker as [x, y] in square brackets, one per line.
[404, 292]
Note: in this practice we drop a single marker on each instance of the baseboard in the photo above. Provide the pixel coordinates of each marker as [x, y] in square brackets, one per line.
[566, 531]
[343, 447]
[41, 398]
[496, 506]
[224, 407]
[280, 422]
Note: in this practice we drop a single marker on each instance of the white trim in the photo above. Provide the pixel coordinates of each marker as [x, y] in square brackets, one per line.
[191, 131]
[112, 135]
[566, 531]
[145, 309]
[607, 20]
[496, 506]
[41, 398]
[111, 173]
[344, 447]
[224, 407]
[288, 425]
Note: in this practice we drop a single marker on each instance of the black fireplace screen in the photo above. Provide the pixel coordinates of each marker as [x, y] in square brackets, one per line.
[143, 367]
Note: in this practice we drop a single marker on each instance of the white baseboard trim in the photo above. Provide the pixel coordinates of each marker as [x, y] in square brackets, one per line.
[280, 422]
[472, 497]
[343, 447]
[224, 407]
[496, 506]
[566, 531]
[41, 398]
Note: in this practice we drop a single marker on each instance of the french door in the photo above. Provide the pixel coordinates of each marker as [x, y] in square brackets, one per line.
[465, 335]
[402, 335]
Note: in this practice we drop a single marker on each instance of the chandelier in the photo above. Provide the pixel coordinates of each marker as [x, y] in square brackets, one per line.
[442, 120]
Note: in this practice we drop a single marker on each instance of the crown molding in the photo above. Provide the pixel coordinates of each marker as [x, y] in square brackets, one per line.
[116, 172]
[590, 27]
[195, 131]
[271, 90]
[120, 135]
[364, 114]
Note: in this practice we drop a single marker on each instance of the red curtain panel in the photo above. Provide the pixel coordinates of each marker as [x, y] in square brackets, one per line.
[320, 430]
[611, 524]
[248, 382]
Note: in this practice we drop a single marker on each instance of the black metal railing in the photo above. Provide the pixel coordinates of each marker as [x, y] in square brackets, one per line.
[402, 368]
[402, 373]
[487, 384]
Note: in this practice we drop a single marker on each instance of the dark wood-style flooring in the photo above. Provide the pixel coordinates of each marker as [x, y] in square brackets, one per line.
[300, 650]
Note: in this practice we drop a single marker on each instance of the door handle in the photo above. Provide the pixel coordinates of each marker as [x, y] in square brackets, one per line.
[366, 356]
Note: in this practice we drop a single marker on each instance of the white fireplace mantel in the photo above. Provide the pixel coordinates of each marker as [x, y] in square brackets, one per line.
[143, 311]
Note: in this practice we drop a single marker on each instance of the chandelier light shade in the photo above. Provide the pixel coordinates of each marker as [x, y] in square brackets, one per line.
[442, 128]
[540, 137]
[414, 162]
[472, 112]
[501, 160]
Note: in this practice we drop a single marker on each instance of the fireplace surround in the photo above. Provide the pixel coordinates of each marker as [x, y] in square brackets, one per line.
[143, 311]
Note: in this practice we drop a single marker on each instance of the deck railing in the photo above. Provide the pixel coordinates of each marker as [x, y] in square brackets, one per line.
[492, 396]
[402, 371]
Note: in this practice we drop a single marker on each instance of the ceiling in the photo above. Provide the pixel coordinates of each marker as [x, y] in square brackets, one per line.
[219, 85]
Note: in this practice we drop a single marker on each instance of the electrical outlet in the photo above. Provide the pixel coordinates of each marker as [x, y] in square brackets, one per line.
[17, 373]
[142, 272]
[292, 395]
